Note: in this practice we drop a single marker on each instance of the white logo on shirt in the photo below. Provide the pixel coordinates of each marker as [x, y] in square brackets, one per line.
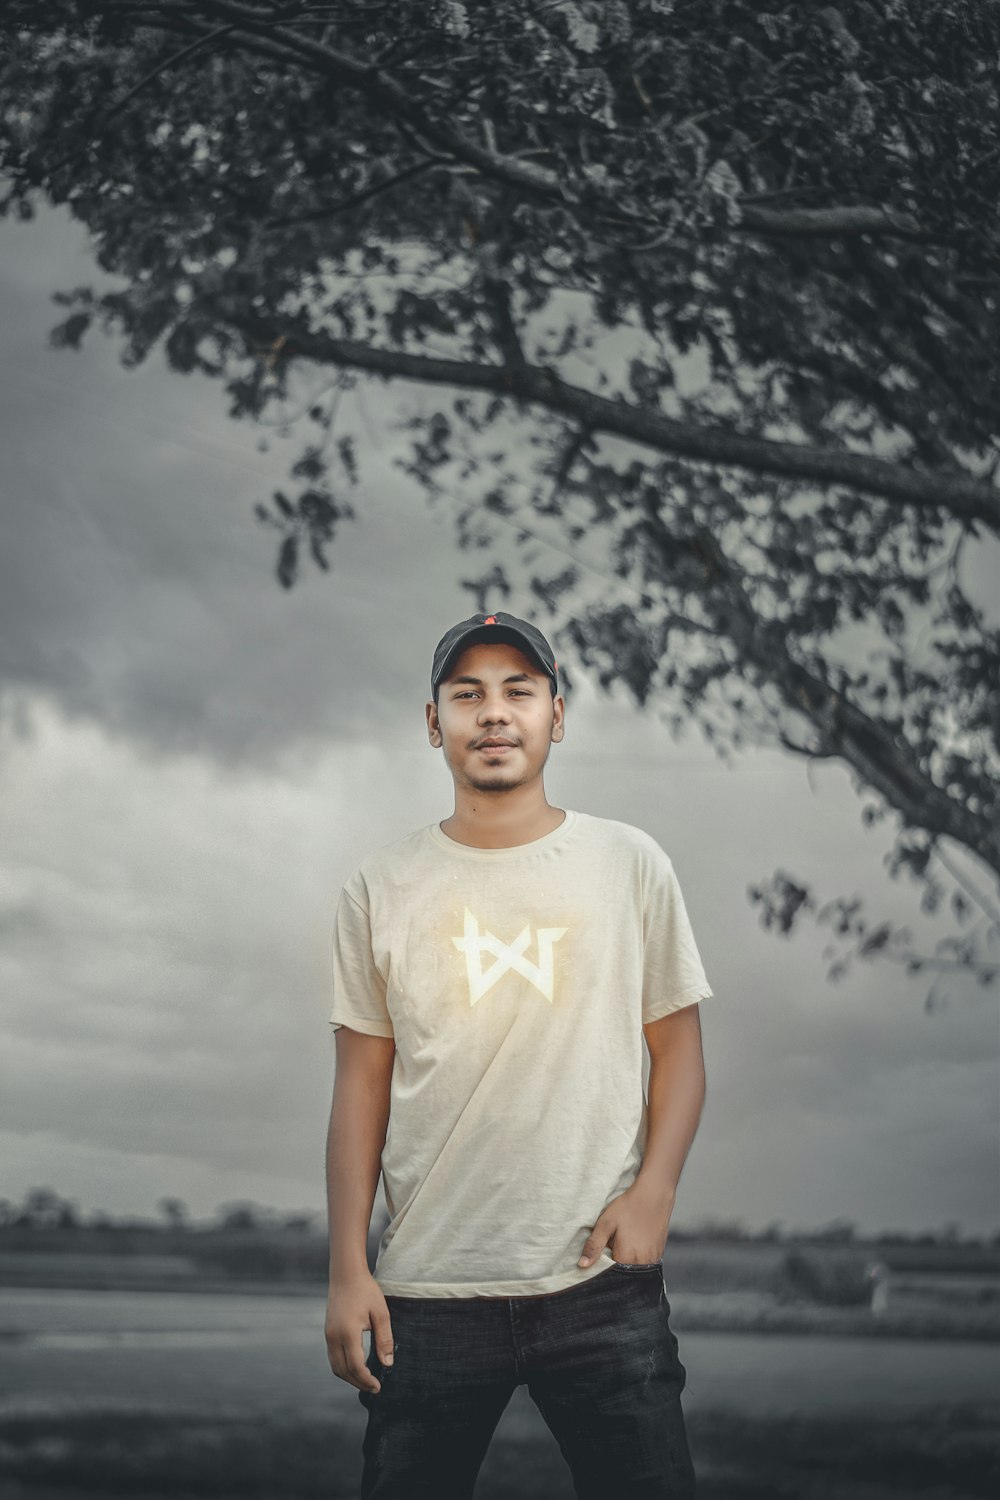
[508, 956]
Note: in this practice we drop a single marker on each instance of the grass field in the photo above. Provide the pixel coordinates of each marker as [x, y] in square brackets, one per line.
[954, 1455]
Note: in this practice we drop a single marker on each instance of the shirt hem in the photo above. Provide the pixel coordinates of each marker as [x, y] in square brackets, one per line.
[686, 997]
[361, 1023]
[535, 1287]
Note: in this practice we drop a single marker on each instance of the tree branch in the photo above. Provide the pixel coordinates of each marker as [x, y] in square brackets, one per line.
[497, 294]
[375, 190]
[812, 223]
[878, 755]
[962, 496]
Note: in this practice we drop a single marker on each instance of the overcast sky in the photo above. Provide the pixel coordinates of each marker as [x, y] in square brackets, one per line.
[193, 759]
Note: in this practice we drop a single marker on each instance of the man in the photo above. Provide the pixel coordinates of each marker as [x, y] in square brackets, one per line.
[494, 976]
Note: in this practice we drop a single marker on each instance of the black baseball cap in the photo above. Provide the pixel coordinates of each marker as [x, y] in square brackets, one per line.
[498, 627]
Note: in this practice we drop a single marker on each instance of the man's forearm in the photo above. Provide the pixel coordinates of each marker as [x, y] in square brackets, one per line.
[676, 1094]
[359, 1120]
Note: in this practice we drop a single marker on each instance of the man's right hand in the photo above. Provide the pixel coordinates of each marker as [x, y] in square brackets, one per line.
[354, 1304]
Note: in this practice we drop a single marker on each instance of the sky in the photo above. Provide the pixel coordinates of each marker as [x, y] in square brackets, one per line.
[193, 759]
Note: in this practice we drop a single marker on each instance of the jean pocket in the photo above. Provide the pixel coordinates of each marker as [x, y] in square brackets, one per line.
[638, 1265]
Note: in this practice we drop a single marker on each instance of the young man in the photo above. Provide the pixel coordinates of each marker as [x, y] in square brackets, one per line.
[494, 976]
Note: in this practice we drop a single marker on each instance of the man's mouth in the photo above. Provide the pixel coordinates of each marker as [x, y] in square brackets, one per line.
[496, 745]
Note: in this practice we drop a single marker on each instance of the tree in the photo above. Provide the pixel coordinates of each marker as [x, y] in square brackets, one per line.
[707, 288]
[43, 1208]
[241, 1216]
[175, 1212]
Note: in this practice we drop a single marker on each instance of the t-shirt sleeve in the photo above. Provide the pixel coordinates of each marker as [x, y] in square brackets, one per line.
[673, 975]
[359, 992]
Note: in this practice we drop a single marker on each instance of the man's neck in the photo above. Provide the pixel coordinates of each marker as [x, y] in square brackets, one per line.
[491, 820]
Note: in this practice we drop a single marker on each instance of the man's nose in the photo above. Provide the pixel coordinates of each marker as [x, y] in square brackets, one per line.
[493, 708]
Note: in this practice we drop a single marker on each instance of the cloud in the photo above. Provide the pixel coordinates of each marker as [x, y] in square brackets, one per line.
[138, 589]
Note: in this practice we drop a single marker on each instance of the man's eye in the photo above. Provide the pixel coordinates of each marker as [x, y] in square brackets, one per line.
[520, 693]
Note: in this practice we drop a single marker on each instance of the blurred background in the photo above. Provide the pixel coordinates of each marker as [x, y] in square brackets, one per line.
[214, 676]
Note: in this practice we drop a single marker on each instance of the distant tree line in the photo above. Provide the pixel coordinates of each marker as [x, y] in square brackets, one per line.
[44, 1209]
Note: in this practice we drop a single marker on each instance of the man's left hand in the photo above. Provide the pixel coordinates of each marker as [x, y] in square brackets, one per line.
[634, 1226]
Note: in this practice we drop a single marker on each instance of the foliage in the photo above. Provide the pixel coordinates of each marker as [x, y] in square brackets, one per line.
[705, 296]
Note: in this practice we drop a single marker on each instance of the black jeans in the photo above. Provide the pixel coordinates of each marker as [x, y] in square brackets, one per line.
[599, 1360]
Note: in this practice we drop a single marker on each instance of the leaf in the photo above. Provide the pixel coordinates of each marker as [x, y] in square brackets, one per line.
[454, 17]
[319, 556]
[722, 182]
[348, 457]
[288, 560]
[876, 940]
[67, 335]
[310, 465]
[583, 34]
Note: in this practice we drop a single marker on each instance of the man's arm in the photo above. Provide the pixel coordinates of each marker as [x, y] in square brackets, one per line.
[359, 1119]
[676, 1097]
[636, 1223]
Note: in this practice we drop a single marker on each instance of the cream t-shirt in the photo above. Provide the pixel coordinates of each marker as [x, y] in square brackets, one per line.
[515, 982]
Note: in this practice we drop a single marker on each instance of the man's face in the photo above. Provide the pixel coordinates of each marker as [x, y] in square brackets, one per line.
[495, 718]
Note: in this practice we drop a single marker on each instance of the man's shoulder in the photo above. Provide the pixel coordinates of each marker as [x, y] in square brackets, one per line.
[384, 859]
[384, 856]
[612, 833]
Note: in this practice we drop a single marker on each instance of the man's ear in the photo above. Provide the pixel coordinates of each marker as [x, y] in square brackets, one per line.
[433, 724]
[558, 718]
